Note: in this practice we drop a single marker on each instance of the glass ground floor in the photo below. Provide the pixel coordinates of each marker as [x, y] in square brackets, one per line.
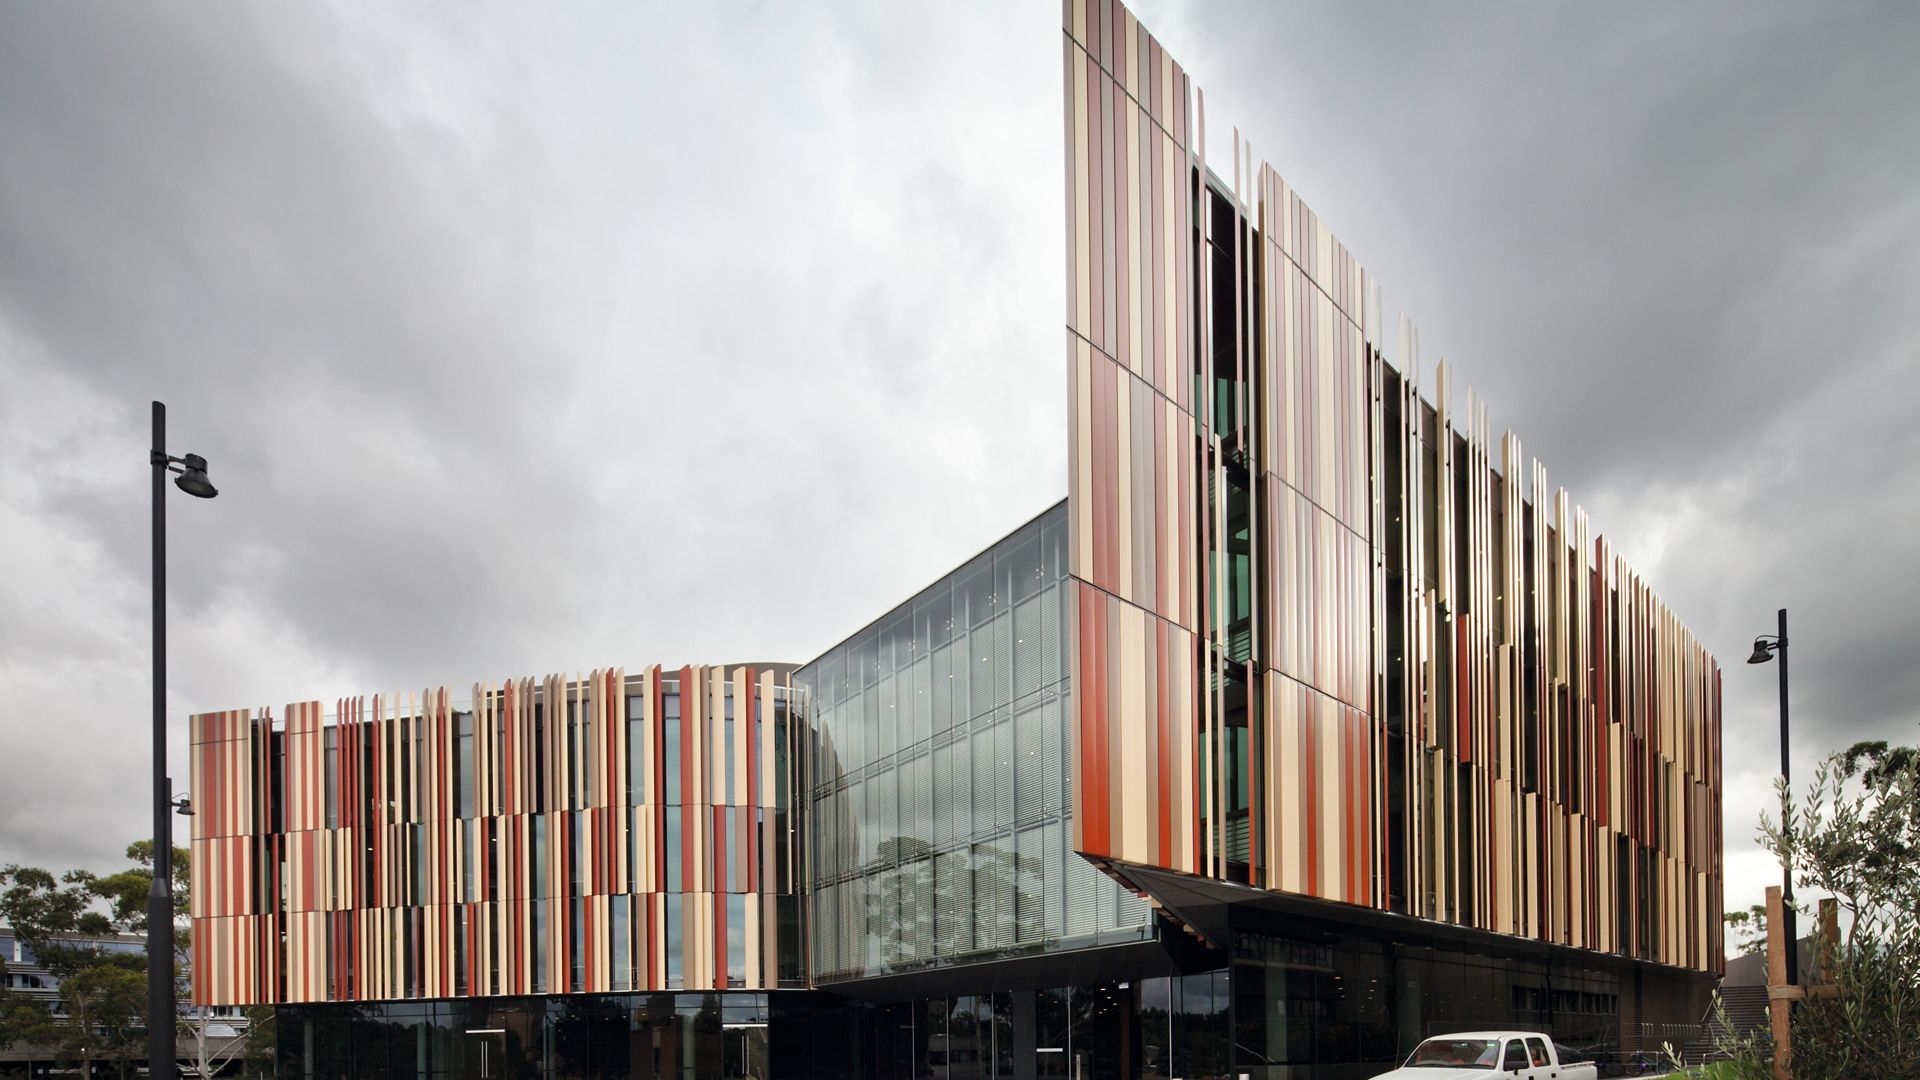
[1287, 998]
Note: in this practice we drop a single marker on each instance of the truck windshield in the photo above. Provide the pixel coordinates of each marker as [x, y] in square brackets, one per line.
[1457, 1054]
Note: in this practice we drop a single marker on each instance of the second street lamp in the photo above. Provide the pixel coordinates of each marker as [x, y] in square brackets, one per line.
[161, 1011]
[1765, 648]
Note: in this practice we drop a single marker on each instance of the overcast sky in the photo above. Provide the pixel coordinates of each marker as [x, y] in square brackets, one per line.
[523, 342]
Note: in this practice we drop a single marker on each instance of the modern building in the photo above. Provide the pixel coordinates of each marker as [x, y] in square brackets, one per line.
[1312, 721]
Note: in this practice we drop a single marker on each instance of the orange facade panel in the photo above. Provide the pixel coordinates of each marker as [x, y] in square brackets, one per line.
[596, 833]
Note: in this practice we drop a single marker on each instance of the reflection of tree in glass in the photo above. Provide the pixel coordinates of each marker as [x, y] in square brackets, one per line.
[572, 1033]
[930, 908]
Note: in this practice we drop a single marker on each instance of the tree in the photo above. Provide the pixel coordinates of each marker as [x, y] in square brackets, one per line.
[126, 891]
[104, 993]
[1856, 838]
[257, 1058]
[1749, 929]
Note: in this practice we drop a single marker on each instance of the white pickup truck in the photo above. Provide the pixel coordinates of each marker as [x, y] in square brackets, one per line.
[1526, 1055]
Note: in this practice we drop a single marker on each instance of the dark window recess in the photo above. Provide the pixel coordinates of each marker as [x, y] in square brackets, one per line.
[277, 781]
[1462, 565]
[1238, 618]
[567, 750]
[1464, 801]
[539, 777]
[1231, 411]
[1238, 774]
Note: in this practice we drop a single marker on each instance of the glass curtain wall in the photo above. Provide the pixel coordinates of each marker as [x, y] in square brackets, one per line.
[940, 827]
[709, 1036]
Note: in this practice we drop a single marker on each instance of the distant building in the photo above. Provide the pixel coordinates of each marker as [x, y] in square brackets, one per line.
[25, 974]
[1312, 722]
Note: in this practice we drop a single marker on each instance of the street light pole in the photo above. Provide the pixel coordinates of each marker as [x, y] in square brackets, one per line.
[161, 1013]
[1765, 648]
[160, 1009]
[1789, 918]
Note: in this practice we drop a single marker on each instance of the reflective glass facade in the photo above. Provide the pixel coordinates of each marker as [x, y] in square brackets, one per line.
[597, 1036]
[939, 823]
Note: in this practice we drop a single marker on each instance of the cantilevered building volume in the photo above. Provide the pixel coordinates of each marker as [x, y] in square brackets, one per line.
[1312, 722]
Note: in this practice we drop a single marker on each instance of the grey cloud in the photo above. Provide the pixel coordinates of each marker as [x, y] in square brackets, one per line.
[524, 341]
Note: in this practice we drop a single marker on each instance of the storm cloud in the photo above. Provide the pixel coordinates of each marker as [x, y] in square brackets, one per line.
[523, 341]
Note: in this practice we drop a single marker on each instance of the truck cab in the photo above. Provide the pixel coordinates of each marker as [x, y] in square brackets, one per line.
[1525, 1055]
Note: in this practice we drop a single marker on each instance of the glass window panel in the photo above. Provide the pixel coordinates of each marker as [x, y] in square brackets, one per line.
[620, 914]
[536, 855]
[973, 596]
[1130, 911]
[920, 725]
[1052, 1022]
[1030, 901]
[576, 826]
[905, 690]
[636, 757]
[832, 686]
[1000, 1017]
[670, 756]
[827, 833]
[537, 945]
[782, 736]
[672, 827]
[934, 1021]
[727, 728]
[953, 903]
[982, 779]
[1028, 647]
[1002, 673]
[577, 955]
[671, 941]
[1020, 557]
[884, 712]
[918, 909]
[916, 808]
[1053, 603]
[993, 884]
[1054, 750]
[1084, 897]
[896, 640]
[728, 878]
[882, 918]
[947, 799]
[857, 731]
[857, 846]
[1031, 764]
[883, 825]
[923, 616]
[1003, 774]
[980, 669]
[941, 685]
[736, 939]
[826, 955]
[855, 801]
[867, 649]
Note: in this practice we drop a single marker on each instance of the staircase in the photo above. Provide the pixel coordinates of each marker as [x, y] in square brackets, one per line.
[1746, 1010]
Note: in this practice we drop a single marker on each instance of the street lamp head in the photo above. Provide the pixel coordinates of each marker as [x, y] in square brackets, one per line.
[1762, 651]
[193, 478]
[183, 806]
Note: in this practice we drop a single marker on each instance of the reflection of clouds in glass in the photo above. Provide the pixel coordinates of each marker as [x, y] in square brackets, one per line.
[940, 810]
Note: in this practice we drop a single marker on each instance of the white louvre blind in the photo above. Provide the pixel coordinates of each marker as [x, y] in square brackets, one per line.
[1029, 647]
[993, 881]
